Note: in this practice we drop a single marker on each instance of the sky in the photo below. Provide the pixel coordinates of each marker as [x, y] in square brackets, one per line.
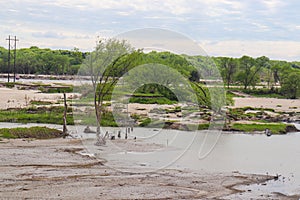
[221, 27]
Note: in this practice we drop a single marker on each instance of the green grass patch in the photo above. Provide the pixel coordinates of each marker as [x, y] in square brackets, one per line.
[40, 103]
[157, 100]
[90, 119]
[53, 115]
[240, 112]
[64, 89]
[108, 120]
[198, 126]
[10, 84]
[40, 84]
[32, 132]
[203, 126]
[145, 122]
[174, 110]
[229, 98]
[263, 92]
[279, 128]
[151, 123]
[48, 115]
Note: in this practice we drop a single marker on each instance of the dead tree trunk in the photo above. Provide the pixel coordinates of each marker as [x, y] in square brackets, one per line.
[65, 130]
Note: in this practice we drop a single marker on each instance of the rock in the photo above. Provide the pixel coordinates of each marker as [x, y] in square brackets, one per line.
[291, 128]
[88, 130]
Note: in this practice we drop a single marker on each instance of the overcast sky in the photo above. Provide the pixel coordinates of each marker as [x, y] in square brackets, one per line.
[220, 27]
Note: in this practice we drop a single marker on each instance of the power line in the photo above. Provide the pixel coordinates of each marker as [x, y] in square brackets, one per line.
[14, 47]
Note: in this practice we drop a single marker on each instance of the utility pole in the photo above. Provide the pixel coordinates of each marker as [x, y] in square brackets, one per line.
[14, 56]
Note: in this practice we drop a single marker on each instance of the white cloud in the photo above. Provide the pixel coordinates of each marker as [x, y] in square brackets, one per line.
[176, 7]
[238, 5]
[273, 5]
[237, 27]
[124, 13]
[260, 27]
[288, 50]
[49, 34]
[215, 8]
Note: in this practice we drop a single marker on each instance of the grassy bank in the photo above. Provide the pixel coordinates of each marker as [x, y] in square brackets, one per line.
[32, 132]
[48, 115]
[278, 128]
[52, 115]
[260, 92]
[107, 119]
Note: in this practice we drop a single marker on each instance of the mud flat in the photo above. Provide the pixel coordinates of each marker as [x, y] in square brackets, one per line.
[46, 169]
[283, 105]
[14, 98]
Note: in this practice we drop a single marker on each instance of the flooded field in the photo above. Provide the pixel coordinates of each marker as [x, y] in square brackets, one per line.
[207, 151]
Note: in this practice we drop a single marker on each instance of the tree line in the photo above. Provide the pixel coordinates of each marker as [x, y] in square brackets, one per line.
[35, 60]
[245, 71]
[278, 76]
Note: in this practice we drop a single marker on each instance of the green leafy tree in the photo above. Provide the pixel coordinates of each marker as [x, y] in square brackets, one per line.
[105, 65]
[3, 61]
[195, 76]
[279, 70]
[291, 84]
[228, 68]
[34, 60]
[263, 62]
[248, 72]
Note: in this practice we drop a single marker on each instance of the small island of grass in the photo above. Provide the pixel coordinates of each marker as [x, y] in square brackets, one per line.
[32, 132]
[275, 128]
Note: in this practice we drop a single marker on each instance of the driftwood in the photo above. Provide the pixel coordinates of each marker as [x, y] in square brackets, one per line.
[100, 141]
[65, 130]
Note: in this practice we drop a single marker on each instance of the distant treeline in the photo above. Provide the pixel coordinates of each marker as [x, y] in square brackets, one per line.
[35, 60]
[245, 71]
[248, 72]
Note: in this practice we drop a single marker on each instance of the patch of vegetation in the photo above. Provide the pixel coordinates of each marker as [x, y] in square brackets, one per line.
[40, 84]
[48, 115]
[32, 132]
[293, 107]
[229, 98]
[174, 110]
[135, 116]
[53, 115]
[239, 113]
[157, 100]
[279, 128]
[10, 84]
[145, 122]
[39, 103]
[153, 94]
[65, 89]
[263, 92]
[203, 126]
[35, 60]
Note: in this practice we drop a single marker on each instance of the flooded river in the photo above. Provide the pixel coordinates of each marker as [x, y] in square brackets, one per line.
[207, 151]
